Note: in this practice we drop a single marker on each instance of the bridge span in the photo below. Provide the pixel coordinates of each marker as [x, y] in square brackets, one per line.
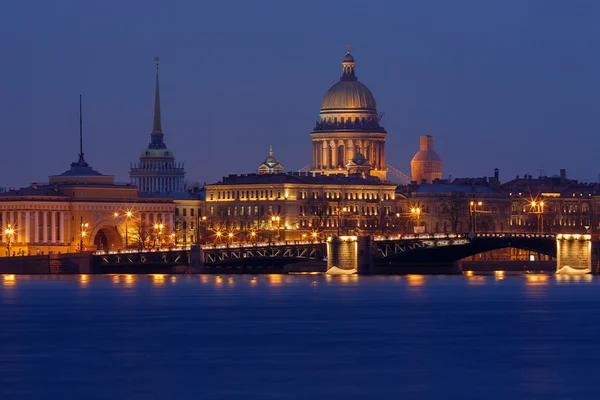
[428, 250]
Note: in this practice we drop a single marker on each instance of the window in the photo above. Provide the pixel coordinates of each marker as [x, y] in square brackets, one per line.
[184, 212]
[176, 212]
[191, 212]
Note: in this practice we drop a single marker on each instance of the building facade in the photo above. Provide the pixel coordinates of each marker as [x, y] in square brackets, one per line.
[348, 125]
[295, 206]
[82, 209]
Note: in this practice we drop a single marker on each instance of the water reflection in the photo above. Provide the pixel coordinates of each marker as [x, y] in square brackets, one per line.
[83, 280]
[158, 279]
[275, 279]
[9, 280]
[537, 280]
[415, 280]
[476, 280]
[562, 279]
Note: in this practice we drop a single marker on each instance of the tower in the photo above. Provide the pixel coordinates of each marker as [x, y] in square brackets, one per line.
[271, 165]
[157, 171]
[426, 164]
[348, 125]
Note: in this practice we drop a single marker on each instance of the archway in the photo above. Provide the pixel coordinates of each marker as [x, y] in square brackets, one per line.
[108, 238]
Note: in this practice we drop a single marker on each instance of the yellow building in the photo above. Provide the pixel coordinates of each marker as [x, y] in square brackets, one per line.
[348, 125]
[295, 206]
[82, 206]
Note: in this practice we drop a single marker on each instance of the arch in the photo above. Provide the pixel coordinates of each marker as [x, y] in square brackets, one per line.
[106, 237]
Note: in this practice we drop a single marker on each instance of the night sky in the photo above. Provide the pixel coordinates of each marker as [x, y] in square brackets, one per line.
[512, 85]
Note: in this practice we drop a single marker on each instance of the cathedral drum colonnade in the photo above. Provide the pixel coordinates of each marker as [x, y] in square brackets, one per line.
[348, 125]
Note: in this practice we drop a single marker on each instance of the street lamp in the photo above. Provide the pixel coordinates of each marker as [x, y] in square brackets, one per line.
[128, 215]
[276, 218]
[9, 232]
[339, 210]
[473, 212]
[158, 227]
[416, 212]
[82, 232]
[538, 208]
[200, 220]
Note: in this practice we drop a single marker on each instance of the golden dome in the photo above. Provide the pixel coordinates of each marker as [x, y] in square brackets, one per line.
[349, 93]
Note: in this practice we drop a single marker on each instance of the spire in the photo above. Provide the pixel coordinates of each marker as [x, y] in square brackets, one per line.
[157, 129]
[271, 151]
[348, 67]
[81, 162]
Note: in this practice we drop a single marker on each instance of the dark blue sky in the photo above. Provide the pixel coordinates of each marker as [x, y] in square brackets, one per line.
[506, 84]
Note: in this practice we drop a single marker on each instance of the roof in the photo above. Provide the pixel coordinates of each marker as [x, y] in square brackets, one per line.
[451, 188]
[300, 178]
[34, 191]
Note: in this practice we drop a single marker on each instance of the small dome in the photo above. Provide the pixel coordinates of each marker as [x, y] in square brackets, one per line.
[348, 57]
[349, 95]
[359, 159]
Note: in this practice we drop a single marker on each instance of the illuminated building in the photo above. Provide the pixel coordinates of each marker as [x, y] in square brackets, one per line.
[157, 171]
[294, 206]
[81, 206]
[348, 125]
[426, 165]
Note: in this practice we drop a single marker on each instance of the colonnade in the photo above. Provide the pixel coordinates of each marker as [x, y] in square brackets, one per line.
[49, 226]
[334, 153]
[153, 218]
[159, 184]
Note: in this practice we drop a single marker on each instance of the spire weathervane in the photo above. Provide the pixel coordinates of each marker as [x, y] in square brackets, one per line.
[348, 48]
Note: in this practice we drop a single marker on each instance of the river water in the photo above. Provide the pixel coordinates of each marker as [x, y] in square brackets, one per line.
[299, 337]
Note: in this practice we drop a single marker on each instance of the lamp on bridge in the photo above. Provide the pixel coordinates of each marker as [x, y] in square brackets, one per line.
[537, 207]
[416, 213]
[473, 212]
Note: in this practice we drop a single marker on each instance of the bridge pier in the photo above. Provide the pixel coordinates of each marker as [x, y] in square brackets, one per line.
[575, 254]
[349, 254]
[196, 258]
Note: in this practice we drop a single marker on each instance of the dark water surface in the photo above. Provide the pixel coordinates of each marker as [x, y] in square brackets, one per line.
[299, 337]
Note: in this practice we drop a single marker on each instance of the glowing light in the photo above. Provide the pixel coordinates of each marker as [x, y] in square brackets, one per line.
[219, 233]
[9, 277]
[116, 214]
[469, 273]
[129, 214]
[349, 238]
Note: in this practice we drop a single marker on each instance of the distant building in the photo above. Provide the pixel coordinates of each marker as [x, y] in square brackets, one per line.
[426, 165]
[271, 165]
[348, 125]
[157, 171]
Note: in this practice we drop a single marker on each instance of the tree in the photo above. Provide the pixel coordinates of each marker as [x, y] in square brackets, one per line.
[454, 210]
[140, 233]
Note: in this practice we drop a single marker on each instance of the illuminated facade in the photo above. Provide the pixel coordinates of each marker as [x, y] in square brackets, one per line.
[294, 206]
[348, 125]
[82, 206]
[157, 171]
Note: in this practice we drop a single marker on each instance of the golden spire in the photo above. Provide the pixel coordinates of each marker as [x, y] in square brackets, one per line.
[270, 150]
[157, 128]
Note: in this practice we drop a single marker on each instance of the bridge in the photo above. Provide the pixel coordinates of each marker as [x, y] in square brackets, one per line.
[422, 249]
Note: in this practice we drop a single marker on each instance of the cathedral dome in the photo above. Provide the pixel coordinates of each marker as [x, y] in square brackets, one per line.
[349, 93]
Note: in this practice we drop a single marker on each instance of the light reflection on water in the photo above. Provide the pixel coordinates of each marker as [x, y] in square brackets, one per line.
[265, 336]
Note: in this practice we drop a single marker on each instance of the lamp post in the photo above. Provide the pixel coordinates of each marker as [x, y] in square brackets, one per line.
[538, 208]
[128, 214]
[203, 221]
[9, 231]
[159, 227]
[473, 211]
[82, 232]
[416, 213]
[339, 210]
[276, 218]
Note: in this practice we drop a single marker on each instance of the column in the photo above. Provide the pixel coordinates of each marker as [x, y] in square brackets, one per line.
[18, 227]
[383, 164]
[27, 227]
[45, 226]
[53, 226]
[376, 151]
[36, 227]
[68, 228]
[148, 219]
[171, 223]
[62, 227]
[349, 151]
[334, 154]
[324, 160]
[4, 224]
